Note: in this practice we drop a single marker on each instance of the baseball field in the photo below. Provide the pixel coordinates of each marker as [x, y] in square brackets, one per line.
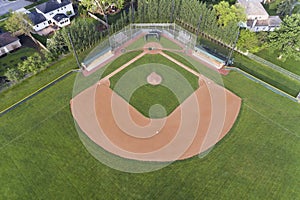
[42, 156]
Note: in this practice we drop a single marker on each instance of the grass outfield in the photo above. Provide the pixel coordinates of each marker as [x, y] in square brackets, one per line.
[30, 85]
[142, 95]
[42, 156]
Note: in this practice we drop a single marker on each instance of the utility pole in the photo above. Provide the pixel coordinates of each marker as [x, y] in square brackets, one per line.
[172, 11]
[233, 47]
[198, 26]
[132, 13]
[75, 54]
[143, 11]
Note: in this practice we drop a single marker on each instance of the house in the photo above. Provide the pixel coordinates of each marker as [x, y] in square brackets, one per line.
[257, 17]
[8, 43]
[39, 22]
[51, 13]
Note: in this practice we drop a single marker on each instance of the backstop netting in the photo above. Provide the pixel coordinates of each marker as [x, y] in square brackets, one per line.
[105, 50]
[169, 30]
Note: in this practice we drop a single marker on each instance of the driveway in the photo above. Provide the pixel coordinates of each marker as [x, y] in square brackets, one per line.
[6, 5]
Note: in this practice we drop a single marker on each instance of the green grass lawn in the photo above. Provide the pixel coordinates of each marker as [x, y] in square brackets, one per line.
[12, 59]
[131, 84]
[43, 158]
[272, 56]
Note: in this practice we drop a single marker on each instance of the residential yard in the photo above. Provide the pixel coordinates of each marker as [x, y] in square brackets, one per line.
[42, 156]
[2, 25]
[12, 59]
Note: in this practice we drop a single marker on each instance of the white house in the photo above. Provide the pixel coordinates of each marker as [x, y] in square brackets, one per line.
[257, 17]
[39, 22]
[52, 12]
[8, 43]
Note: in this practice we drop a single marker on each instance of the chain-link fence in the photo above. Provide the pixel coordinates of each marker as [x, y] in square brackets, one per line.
[275, 67]
[266, 85]
[107, 47]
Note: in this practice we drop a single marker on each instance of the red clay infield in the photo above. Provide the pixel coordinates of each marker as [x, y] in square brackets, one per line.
[197, 124]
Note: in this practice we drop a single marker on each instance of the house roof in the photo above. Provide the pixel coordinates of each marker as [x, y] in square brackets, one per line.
[253, 7]
[58, 17]
[275, 21]
[52, 5]
[7, 38]
[36, 17]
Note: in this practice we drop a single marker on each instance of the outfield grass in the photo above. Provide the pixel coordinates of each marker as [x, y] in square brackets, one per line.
[33, 83]
[131, 84]
[12, 59]
[42, 156]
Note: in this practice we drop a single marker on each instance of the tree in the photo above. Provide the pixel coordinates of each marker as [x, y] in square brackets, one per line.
[286, 39]
[286, 7]
[18, 21]
[227, 13]
[248, 41]
[13, 74]
[33, 64]
[100, 6]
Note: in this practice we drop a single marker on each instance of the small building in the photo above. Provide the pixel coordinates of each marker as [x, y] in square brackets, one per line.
[52, 13]
[257, 17]
[8, 43]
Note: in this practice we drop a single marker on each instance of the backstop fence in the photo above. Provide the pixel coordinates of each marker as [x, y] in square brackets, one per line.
[115, 41]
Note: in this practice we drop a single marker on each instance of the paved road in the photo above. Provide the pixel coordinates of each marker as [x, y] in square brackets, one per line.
[6, 5]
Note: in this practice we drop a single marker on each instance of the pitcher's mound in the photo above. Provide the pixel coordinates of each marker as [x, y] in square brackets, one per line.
[154, 79]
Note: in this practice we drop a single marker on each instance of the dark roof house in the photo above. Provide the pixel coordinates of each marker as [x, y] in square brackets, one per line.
[8, 43]
[36, 17]
[7, 38]
[52, 5]
[59, 17]
[50, 15]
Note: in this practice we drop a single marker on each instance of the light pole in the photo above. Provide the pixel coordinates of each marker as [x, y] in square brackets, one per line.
[75, 54]
[172, 11]
[228, 61]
